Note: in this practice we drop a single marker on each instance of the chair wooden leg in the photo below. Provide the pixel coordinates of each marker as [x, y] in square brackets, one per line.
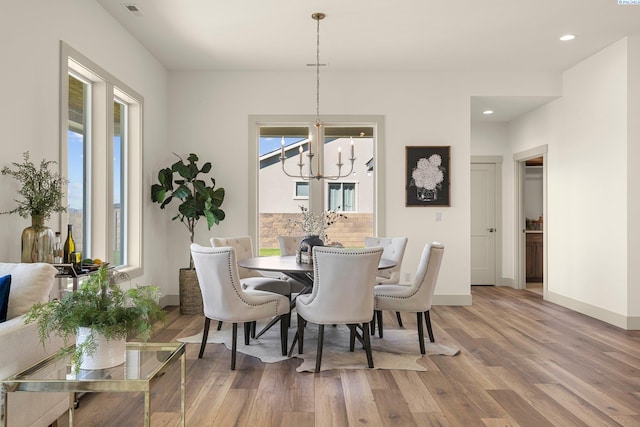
[247, 332]
[367, 343]
[234, 345]
[420, 332]
[219, 324]
[285, 320]
[205, 335]
[427, 320]
[380, 327]
[320, 343]
[373, 324]
[352, 337]
[399, 319]
[300, 333]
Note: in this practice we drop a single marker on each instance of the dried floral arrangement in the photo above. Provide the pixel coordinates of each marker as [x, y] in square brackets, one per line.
[313, 223]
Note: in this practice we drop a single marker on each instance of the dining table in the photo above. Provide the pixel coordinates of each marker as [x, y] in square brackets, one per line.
[290, 267]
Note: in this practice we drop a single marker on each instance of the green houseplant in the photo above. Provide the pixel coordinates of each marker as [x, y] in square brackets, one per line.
[103, 307]
[41, 196]
[185, 181]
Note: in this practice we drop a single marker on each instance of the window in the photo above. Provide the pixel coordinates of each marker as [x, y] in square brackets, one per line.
[272, 209]
[341, 196]
[302, 190]
[102, 155]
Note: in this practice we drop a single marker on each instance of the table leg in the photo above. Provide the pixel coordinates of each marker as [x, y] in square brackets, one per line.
[72, 407]
[183, 375]
[308, 286]
[147, 409]
[5, 402]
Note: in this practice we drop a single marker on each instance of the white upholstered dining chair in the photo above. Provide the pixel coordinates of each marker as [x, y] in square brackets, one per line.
[251, 279]
[224, 298]
[394, 248]
[342, 294]
[415, 297]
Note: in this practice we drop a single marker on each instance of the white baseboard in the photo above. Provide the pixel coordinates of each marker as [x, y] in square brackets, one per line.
[507, 281]
[452, 300]
[169, 300]
[615, 319]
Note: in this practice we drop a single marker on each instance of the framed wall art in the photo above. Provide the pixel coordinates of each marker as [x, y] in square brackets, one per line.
[428, 176]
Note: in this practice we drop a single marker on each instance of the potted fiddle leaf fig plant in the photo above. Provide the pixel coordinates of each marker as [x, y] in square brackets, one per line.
[100, 315]
[184, 181]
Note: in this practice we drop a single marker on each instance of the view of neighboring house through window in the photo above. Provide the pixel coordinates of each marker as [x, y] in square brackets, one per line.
[102, 157]
[281, 197]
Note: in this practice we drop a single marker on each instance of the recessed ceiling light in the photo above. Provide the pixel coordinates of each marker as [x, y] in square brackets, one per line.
[567, 37]
[487, 112]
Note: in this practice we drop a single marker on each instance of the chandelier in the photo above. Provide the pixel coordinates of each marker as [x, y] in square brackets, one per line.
[316, 143]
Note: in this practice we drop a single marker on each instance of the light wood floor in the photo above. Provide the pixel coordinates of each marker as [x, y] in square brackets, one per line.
[523, 362]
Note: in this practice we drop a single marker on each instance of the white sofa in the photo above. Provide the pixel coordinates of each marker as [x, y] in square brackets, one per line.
[20, 346]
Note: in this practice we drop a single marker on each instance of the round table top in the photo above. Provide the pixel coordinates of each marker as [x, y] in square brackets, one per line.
[288, 264]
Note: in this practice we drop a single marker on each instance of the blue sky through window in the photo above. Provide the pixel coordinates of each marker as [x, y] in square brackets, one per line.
[269, 144]
[75, 169]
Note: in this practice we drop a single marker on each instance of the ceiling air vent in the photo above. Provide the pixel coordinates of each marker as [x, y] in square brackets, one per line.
[133, 9]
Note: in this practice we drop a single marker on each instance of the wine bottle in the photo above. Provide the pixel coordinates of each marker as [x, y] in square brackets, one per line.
[69, 246]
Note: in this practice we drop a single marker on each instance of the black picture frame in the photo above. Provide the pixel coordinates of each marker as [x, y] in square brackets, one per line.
[428, 172]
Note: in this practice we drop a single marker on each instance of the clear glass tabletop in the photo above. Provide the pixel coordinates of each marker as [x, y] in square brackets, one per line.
[143, 363]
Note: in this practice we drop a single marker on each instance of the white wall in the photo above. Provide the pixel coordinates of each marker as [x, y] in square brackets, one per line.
[208, 113]
[633, 179]
[30, 34]
[586, 133]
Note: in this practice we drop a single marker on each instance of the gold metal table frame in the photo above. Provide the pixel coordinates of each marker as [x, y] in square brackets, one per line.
[145, 364]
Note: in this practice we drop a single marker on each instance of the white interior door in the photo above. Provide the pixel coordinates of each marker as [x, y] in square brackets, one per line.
[483, 224]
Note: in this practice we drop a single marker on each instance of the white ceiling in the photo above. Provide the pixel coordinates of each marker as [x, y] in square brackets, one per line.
[403, 35]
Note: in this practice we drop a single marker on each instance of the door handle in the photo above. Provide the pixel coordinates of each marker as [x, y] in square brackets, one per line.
[491, 230]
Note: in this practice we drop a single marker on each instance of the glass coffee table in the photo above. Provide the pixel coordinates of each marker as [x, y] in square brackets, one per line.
[145, 363]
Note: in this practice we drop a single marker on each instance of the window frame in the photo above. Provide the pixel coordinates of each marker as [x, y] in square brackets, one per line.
[255, 122]
[296, 196]
[105, 90]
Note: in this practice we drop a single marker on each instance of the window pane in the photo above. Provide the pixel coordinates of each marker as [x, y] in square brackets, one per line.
[349, 197]
[302, 189]
[334, 201]
[77, 143]
[119, 142]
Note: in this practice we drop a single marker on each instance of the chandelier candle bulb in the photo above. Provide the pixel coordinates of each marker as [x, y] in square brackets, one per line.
[339, 156]
[352, 156]
[282, 148]
[300, 149]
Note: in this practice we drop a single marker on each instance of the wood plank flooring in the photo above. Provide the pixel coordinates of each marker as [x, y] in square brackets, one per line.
[523, 362]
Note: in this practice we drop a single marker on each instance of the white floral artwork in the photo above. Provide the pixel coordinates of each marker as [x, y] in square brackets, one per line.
[428, 175]
[428, 172]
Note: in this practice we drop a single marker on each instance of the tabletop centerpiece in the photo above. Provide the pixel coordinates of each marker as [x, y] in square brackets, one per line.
[41, 196]
[314, 225]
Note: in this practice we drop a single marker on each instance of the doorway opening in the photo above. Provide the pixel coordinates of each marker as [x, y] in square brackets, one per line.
[531, 206]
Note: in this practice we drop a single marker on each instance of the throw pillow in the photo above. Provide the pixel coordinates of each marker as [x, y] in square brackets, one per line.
[5, 286]
[30, 283]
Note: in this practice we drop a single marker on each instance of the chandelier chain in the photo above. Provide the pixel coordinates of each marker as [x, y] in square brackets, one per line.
[318, 69]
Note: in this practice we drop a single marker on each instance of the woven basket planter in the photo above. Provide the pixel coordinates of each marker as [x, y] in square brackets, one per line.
[190, 296]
